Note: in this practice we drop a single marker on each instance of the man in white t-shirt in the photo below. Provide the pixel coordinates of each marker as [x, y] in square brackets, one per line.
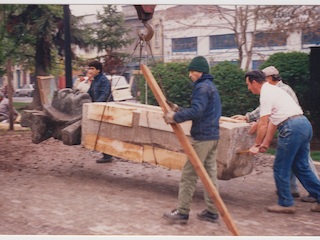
[84, 85]
[273, 77]
[81, 78]
[279, 111]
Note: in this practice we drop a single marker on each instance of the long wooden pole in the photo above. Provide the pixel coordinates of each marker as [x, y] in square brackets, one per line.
[189, 150]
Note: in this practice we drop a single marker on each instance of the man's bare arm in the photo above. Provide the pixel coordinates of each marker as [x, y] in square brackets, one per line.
[261, 133]
[268, 138]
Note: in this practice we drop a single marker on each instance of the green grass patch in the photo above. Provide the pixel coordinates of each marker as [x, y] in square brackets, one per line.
[315, 155]
[20, 105]
[271, 151]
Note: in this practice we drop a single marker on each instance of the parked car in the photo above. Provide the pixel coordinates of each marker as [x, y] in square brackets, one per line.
[121, 90]
[26, 90]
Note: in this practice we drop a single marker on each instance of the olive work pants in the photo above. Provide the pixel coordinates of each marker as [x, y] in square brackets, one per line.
[207, 153]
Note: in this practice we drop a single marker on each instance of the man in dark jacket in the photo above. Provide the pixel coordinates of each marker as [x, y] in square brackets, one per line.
[205, 112]
[100, 91]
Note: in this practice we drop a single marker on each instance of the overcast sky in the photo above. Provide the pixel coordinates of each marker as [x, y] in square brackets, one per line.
[192, 2]
[79, 10]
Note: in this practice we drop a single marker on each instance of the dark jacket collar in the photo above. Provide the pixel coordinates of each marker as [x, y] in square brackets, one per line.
[202, 78]
[98, 76]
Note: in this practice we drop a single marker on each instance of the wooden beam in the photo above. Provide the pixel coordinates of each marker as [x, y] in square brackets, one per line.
[135, 72]
[316, 163]
[71, 135]
[111, 114]
[17, 127]
[163, 157]
[120, 149]
[192, 155]
[228, 119]
[155, 120]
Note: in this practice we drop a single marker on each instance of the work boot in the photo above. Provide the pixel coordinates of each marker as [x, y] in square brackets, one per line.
[295, 194]
[308, 199]
[281, 209]
[315, 208]
[104, 160]
[175, 217]
[208, 216]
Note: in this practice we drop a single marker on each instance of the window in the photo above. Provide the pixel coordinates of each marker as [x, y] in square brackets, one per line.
[222, 41]
[214, 63]
[157, 36]
[311, 36]
[270, 39]
[184, 44]
[256, 64]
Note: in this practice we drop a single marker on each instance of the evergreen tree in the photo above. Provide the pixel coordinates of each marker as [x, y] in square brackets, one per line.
[38, 29]
[111, 35]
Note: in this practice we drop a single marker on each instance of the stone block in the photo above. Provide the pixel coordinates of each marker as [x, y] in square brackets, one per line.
[137, 132]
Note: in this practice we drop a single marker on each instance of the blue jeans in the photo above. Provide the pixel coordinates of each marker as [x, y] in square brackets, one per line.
[293, 178]
[292, 153]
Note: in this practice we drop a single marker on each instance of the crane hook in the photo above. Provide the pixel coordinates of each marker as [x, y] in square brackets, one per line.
[150, 32]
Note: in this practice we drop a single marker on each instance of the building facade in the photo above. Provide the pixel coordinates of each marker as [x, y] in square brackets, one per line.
[184, 31]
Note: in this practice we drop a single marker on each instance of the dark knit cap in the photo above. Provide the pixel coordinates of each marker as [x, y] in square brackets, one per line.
[199, 64]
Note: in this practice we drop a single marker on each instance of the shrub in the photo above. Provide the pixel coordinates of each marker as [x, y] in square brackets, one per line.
[173, 80]
[235, 96]
[176, 85]
[294, 71]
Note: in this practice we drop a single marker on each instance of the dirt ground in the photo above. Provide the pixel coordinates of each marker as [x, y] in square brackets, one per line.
[54, 189]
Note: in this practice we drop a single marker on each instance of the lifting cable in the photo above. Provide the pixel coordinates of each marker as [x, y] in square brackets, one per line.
[143, 42]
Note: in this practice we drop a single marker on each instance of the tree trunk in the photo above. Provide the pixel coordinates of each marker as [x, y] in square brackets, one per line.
[10, 93]
[43, 58]
[67, 46]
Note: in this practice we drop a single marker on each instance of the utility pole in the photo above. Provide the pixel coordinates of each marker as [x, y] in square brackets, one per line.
[315, 89]
[67, 46]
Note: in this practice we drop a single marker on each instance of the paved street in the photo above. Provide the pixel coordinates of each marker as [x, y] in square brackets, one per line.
[54, 189]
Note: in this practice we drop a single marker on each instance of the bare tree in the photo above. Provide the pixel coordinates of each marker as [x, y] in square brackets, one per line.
[241, 19]
[291, 18]
[253, 25]
[275, 22]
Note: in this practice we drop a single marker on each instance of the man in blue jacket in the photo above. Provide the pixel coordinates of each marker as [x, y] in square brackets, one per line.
[100, 91]
[205, 112]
